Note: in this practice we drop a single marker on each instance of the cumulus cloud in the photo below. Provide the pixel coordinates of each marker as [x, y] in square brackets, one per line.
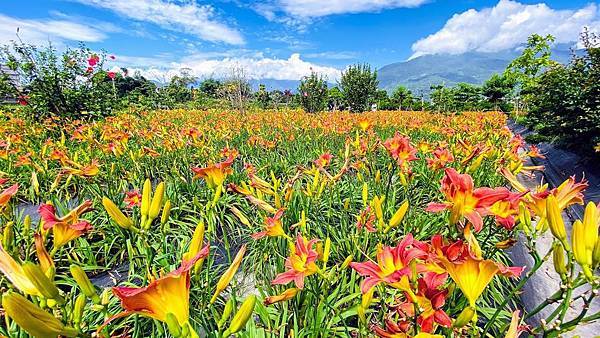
[191, 18]
[41, 31]
[505, 26]
[319, 8]
[292, 68]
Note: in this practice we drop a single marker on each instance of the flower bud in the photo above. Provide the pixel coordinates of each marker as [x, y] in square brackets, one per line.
[156, 203]
[35, 184]
[326, 251]
[365, 193]
[166, 212]
[84, 283]
[196, 246]
[240, 215]
[555, 220]
[8, 235]
[346, 262]
[46, 261]
[42, 283]
[590, 225]
[241, 317]
[37, 322]
[580, 252]
[285, 295]
[465, 317]
[376, 203]
[146, 191]
[229, 273]
[398, 216]
[78, 308]
[558, 258]
[173, 325]
[116, 215]
[226, 312]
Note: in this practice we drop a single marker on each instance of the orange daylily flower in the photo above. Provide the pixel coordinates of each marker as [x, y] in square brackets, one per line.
[401, 150]
[463, 200]
[215, 174]
[133, 199]
[392, 264]
[168, 294]
[68, 227]
[89, 170]
[323, 160]
[442, 156]
[273, 227]
[300, 263]
[470, 273]
[7, 194]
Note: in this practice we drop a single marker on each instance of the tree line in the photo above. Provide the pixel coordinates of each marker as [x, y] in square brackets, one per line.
[560, 102]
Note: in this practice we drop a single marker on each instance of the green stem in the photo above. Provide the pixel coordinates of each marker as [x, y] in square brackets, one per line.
[536, 266]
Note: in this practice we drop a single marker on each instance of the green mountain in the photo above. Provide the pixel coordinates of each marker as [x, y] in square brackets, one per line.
[420, 73]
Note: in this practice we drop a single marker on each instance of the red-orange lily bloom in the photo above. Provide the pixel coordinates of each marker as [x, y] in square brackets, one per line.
[463, 200]
[392, 263]
[400, 149]
[68, 227]
[168, 294]
[323, 160]
[7, 194]
[442, 156]
[273, 227]
[133, 198]
[215, 174]
[300, 263]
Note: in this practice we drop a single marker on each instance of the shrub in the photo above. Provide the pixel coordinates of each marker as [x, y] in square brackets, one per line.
[565, 103]
[50, 84]
[359, 86]
[313, 93]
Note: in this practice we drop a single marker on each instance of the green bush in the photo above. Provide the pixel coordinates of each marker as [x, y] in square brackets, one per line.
[48, 84]
[313, 93]
[359, 86]
[565, 104]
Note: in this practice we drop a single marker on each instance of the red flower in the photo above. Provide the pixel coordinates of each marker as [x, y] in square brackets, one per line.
[392, 263]
[67, 227]
[431, 298]
[111, 75]
[400, 149]
[300, 263]
[323, 160]
[133, 198]
[463, 200]
[93, 60]
[22, 100]
[441, 157]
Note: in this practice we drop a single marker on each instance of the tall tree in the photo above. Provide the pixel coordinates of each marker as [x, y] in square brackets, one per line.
[497, 90]
[359, 85]
[313, 93]
[525, 70]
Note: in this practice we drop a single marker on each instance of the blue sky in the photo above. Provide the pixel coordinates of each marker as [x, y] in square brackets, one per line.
[285, 39]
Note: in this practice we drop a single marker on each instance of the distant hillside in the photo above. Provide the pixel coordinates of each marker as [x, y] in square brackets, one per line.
[420, 73]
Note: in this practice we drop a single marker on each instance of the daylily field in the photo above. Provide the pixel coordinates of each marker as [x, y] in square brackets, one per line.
[213, 223]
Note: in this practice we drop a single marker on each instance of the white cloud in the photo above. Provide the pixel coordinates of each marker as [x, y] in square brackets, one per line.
[319, 8]
[41, 31]
[255, 68]
[506, 26]
[191, 18]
